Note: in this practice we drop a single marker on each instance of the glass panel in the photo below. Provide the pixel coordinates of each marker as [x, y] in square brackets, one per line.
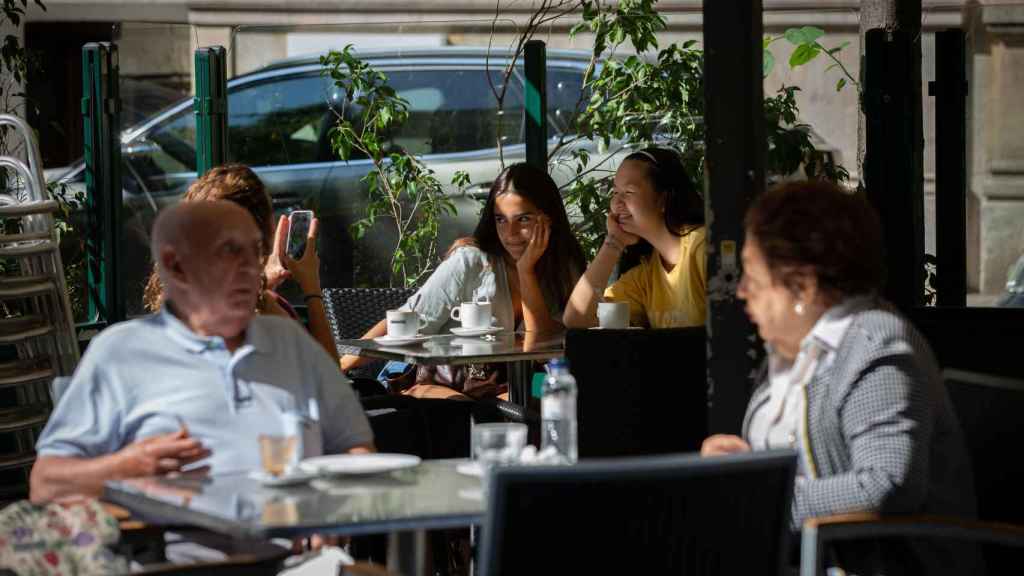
[453, 111]
[168, 148]
[276, 122]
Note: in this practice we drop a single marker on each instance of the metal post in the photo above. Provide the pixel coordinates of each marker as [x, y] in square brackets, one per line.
[734, 174]
[893, 174]
[950, 92]
[101, 108]
[536, 104]
[211, 108]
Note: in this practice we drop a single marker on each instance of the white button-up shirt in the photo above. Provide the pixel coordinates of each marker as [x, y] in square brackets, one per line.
[781, 420]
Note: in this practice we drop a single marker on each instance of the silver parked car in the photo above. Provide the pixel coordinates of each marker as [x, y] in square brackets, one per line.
[278, 122]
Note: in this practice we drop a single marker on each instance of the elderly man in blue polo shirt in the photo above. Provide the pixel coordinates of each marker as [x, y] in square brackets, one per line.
[197, 383]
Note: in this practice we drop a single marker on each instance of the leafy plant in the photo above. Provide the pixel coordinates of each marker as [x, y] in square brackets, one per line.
[657, 97]
[807, 48]
[402, 190]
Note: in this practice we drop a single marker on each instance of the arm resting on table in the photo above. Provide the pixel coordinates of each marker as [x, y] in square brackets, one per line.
[350, 361]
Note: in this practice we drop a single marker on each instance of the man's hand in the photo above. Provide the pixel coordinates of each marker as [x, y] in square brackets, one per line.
[158, 455]
[719, 444]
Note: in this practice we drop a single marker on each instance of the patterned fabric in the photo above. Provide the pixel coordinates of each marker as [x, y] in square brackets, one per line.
[59, 538]
[883, 437]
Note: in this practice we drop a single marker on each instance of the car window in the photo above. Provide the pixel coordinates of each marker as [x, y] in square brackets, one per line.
[563, 95]
[277, 121]
[452, 111]
[169, 148]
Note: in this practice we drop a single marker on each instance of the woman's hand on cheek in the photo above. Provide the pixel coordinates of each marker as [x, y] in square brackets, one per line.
[621, 236]
[539, 236]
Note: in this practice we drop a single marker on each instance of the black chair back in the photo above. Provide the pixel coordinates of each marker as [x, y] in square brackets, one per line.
[353, 311]
[677, 514]
[640, 391]
[990, 409]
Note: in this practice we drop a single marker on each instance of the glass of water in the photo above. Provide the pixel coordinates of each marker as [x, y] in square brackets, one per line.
[498, 444]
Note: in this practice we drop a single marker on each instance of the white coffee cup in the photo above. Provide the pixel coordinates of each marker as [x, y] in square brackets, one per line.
[613, 314]
[473, 314]
[404, 323]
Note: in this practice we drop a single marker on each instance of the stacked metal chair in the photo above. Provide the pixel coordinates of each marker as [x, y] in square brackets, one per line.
[37, 330]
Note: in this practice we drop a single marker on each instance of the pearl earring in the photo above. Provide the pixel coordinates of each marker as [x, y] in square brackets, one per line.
[799, 308]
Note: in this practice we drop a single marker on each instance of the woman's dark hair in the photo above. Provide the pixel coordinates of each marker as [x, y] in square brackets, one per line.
[563, 261]
[233, 182]
[818, 225]
[684, 207]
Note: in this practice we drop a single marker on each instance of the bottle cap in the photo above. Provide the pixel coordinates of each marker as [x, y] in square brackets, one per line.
[557, 363]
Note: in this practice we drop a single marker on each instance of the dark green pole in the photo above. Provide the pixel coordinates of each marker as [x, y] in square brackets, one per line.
[536, 100]
[211, 108]
[101, 108]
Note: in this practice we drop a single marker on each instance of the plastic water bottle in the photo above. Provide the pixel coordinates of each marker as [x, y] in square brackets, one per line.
[558, 412]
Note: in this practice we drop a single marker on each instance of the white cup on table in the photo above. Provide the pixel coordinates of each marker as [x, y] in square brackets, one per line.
[613, 314]
[404, 323]
[473, 314]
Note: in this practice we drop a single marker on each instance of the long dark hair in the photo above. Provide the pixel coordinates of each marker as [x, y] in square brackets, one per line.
[684, 207]
[563, 261]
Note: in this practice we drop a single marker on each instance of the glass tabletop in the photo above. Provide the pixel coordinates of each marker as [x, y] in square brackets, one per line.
[453, 349]
[432, 495]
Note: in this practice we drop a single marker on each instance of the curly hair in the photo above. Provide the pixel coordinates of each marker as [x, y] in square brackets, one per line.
[817, 225]
[233, 182]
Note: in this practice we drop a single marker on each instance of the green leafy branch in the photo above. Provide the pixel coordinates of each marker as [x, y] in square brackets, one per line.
[807, 48]
[402, 191]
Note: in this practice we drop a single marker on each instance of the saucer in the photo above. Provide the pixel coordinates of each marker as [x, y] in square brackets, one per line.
[460, 331]
[297, 476]
[471, 468]
[400, 340]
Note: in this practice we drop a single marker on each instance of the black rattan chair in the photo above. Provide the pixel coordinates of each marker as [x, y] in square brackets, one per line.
[353, 311]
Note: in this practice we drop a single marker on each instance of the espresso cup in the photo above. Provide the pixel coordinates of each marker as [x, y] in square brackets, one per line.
[613, 314]
[404, 323]
[473, 314]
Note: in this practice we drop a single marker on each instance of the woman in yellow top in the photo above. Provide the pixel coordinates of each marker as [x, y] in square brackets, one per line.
[656, 213]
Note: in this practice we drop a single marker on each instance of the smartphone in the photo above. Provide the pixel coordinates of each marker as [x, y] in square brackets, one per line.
[298, 229]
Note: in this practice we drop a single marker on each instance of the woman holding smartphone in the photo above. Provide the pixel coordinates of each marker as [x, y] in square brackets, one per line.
[239, 184]
[522, 258]
[657, 216]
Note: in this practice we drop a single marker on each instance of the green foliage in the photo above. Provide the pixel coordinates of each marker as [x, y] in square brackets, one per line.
[806, 49]
[402, 192]
[657, 97]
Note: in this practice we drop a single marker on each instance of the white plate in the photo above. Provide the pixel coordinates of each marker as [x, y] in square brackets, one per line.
[460, 331]
[358, 463]
[400, 340]
[293, 477]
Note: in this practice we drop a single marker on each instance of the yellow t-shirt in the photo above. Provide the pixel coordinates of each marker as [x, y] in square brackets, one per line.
[661, 299]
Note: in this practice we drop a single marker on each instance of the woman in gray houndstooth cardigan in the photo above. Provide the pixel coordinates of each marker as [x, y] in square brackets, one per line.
[849, 384]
